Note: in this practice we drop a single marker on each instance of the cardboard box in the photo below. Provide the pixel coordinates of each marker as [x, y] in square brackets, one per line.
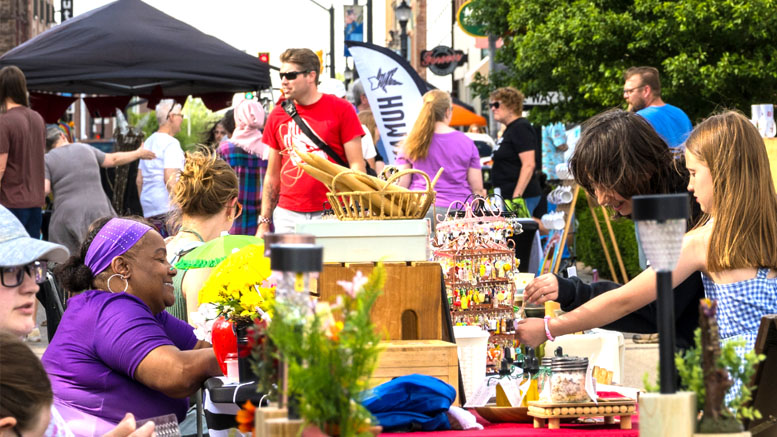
[426, 357]
[370, 240]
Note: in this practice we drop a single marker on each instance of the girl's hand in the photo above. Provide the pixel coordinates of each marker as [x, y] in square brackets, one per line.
[531, 332]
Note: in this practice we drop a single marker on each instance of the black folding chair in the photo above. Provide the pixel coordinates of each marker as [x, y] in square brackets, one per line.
[52, 297]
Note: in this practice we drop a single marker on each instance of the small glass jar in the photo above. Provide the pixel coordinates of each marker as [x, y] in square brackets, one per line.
[567, 379]
[543, 380]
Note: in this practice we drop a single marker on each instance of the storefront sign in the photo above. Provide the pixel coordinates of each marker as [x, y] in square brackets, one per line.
[463, 17]
[442, 60]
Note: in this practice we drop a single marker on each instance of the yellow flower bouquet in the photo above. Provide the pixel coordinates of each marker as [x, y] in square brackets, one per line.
[241, 286]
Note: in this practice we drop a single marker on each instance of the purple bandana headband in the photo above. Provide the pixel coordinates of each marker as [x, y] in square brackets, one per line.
[114, 239]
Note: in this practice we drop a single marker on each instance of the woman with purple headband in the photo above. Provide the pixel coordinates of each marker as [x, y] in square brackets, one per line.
[116, 349]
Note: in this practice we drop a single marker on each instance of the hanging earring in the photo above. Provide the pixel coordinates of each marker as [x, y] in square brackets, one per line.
[126, 282]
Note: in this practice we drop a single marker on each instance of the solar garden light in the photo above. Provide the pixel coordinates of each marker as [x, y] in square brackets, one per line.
[661, 225]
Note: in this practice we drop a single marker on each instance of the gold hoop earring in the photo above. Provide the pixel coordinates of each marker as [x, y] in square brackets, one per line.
[126, 282]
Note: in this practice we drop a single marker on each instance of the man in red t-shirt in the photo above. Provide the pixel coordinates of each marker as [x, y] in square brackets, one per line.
[291, 196]
[22, 147]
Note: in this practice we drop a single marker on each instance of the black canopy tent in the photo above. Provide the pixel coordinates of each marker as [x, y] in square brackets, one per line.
[129, 48]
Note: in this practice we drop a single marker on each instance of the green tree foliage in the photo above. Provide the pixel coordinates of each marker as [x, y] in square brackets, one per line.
[196, 113]
[711, 54]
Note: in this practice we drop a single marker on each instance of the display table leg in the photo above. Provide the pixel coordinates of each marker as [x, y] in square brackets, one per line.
[539, 423]
[625, 422]
[554, 423]
[609, 420]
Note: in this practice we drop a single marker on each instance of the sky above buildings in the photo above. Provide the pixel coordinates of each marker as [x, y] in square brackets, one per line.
[254, 25]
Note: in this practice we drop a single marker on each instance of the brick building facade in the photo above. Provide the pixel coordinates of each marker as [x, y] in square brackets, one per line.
[20, 20]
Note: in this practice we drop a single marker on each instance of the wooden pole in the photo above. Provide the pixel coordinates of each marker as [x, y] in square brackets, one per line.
[570, 214]
[615, 246]
[601, 239]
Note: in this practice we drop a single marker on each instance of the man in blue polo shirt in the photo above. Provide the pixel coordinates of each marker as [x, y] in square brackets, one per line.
[642, 91]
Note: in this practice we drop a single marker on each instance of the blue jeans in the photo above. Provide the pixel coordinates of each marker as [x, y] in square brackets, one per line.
[531, 203]
[31, 218]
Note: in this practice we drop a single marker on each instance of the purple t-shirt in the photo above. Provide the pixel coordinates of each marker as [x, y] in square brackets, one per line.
[456, 153]
[100, 342]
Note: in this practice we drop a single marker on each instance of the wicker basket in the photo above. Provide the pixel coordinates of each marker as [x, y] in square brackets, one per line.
[390, 203]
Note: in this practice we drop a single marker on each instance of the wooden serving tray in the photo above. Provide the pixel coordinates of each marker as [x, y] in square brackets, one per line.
[608, 408]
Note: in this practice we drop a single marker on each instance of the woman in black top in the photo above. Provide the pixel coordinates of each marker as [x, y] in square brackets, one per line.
[619, 156]
[514, 158]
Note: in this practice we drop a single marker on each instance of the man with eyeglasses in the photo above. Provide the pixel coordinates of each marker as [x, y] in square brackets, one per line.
[156, 177]
[289, 195]
[642, 91]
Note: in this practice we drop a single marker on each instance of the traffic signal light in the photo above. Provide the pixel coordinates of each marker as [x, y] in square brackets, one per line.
[320, 54]
[264, 57]
[249, 95]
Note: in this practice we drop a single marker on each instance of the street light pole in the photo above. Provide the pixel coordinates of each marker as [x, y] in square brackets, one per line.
[331, 10]
[403, 13]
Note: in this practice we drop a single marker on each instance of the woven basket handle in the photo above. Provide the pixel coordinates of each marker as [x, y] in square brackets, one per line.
[395, 178]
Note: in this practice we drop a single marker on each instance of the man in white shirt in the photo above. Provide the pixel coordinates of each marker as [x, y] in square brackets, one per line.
[157, 176]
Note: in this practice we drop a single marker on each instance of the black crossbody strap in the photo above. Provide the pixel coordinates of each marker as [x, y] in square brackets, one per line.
[291, 109]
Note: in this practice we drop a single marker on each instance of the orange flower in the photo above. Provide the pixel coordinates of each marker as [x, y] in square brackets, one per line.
[245, 417]
[334, 331]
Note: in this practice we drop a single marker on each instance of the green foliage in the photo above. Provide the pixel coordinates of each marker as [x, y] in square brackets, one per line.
[194, 128]
[692, 375]
[689, 369]
[588, 247]
[711, 54]
[650, 387]
[330, 361]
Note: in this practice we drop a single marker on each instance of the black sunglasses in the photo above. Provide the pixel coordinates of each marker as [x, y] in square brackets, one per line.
[14, 276]
[494, 105]
[291, 75]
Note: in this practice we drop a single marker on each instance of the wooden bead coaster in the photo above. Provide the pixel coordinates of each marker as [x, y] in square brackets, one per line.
[553, 412]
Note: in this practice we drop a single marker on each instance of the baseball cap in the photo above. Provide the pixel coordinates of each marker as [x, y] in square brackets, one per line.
[332, 86]
[18, 248]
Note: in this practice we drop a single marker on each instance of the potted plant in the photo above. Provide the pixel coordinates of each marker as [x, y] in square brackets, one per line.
[331, 353]
[710, 370]
[241, 289]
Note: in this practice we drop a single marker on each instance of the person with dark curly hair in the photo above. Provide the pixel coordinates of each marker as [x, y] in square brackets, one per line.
[116, 349]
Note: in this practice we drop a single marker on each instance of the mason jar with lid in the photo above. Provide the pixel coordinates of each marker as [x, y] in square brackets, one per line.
[567, 379]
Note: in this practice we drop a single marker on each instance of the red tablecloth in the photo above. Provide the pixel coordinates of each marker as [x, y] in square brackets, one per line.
[527, 429]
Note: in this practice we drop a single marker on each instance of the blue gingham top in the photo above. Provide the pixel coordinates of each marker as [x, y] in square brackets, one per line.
[740, 308]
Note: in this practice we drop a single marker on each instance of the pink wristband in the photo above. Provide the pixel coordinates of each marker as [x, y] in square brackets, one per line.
[547, 331]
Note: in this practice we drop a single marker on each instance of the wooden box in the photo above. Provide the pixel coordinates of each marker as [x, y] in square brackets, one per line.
[426, 357]
[411, 306]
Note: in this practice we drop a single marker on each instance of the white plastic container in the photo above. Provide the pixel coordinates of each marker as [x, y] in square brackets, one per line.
[472, 342]
[370, 240]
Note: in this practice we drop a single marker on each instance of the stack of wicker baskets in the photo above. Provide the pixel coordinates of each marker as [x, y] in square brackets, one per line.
[357, 196]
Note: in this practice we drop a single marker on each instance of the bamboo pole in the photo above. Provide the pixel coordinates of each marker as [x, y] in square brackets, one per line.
[601, 239]
[568, 225]
[615, 246]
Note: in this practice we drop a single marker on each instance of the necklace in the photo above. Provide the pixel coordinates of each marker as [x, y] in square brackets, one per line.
[192, 231]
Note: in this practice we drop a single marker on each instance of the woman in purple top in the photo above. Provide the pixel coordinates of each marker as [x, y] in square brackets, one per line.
[116, 349]
[432, 145]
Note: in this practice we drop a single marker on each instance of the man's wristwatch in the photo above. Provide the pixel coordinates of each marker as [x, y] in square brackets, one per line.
[263, 219]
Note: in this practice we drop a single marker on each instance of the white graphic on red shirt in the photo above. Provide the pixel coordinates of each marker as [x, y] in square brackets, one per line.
[295, 140]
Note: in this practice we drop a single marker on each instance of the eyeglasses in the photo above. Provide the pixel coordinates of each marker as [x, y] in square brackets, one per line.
[291, 75]
[494, 105]
[178, 114]
[628, 91]
[14, 276]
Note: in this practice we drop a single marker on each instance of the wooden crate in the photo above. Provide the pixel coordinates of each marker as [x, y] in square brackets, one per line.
[410, 307]
[427, 357]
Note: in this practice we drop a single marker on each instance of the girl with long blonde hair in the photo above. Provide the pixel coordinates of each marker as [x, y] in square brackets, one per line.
[734, 246]
[432, 144]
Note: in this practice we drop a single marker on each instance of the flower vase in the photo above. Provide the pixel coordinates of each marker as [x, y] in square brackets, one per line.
[224, 341]
[243, 351]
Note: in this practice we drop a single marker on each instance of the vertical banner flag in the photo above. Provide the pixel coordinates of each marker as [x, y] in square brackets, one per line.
[354, 24]
[394, 91]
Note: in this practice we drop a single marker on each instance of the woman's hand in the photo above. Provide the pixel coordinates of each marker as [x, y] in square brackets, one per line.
[127, 428]
[541, 289]
[531, 332]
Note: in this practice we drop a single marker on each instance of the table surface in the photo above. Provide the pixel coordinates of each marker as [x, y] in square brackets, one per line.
[527, 429]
